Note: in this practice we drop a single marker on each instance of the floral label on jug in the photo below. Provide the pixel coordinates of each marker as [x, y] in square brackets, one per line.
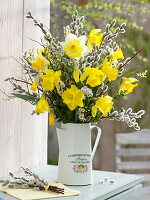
[80, 161]
[80, 168]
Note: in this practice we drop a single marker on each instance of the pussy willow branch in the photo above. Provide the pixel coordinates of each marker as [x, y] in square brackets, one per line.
[36, 42]
[107, 117]
[131, 58]
[26, 80]
[28, 171]
[39, 24]
[108, 83]
[27, 61]
[22, 81]
[23, 67]
[18, 80]
[5, 94]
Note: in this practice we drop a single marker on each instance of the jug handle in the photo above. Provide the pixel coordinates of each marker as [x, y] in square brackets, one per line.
[97, 139]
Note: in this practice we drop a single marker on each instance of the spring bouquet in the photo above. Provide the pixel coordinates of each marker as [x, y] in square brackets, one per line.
[79, 79]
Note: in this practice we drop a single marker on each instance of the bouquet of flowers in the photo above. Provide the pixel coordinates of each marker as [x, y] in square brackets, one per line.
[78, 80]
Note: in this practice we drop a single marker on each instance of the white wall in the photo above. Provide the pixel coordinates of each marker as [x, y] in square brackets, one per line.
[23, 138]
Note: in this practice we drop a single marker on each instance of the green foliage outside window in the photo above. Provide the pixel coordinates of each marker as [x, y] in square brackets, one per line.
[97, 13]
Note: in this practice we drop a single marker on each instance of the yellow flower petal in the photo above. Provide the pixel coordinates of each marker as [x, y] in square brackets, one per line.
[76, 75]
[95, 36]
[40, 50]
[119, 54]
[57, 76]
[116, 55]
[74, 49]
[50, 79]
[130, 80]
[40, 62]
[52, 117]
[42, 105]
[94, 76]
[73, 97]
[127, 85]
[71, 106]
[94, 111]
[110, 72]
[104, 104]
[90, 46]
[34, 85]
[47, 84]
[74, 46]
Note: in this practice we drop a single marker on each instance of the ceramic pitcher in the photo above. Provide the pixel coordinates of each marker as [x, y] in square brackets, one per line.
[75, 153]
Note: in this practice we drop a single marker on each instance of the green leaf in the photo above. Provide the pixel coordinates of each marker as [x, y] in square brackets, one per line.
[130, 71]
[28, 98]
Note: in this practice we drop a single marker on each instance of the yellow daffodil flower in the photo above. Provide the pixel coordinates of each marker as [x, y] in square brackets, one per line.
[45, 51]
[34, 85]
[104, 104]
[116, 55]
[95, 76]
[52, 117]
[95, 37]
[110, 72]
[76, 75]
[73, 97]
[127, 85]
[42, 105]
[74, 46]
[40, 50]
[40, 62]
[51, 79]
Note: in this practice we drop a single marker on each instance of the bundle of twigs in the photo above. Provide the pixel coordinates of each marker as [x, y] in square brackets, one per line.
[30, 180]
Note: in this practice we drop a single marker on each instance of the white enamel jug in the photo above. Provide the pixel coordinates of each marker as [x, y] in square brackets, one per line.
[75, 154]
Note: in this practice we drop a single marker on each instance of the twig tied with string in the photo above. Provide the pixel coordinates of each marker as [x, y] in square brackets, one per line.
[30, 180]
